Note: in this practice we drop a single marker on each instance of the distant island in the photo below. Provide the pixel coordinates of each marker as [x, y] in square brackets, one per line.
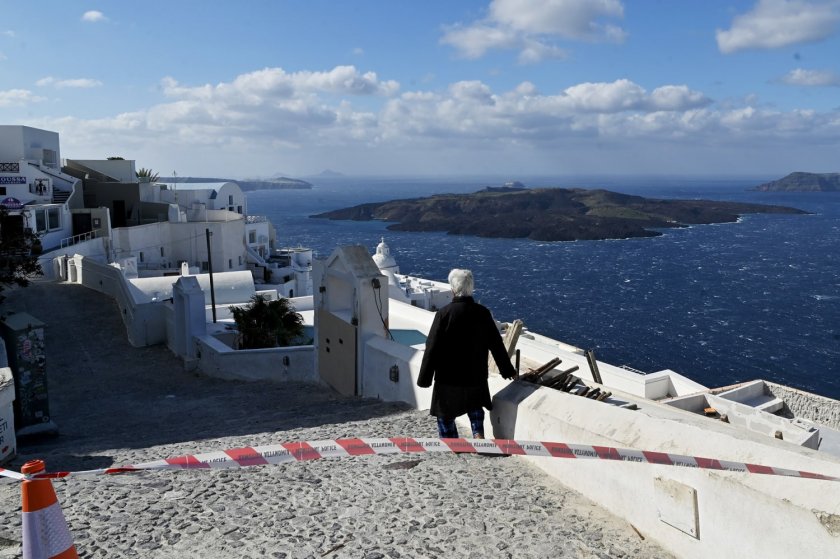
[549, 214]
[803, 182]
[329, 174]
[278, 183]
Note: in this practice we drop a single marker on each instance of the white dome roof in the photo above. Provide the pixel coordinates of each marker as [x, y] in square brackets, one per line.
[383, 258]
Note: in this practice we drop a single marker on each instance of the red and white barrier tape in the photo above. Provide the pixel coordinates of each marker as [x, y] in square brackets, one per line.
[341, 448]
[12, 474]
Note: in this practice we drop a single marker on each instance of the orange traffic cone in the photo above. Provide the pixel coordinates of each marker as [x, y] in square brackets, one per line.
[45, 532]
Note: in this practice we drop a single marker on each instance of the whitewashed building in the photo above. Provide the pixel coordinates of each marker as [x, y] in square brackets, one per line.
[210, 195]
[417, 292]
[36, 194]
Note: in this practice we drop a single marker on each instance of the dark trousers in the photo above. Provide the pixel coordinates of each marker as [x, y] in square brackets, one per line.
[448, 430]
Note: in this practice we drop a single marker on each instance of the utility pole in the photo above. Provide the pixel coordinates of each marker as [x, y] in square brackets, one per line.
[210, 265]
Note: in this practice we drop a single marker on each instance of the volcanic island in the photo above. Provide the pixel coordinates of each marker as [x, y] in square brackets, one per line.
[549, 214]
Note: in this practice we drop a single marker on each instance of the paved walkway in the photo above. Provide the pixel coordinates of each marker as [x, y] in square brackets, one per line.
[115, 404]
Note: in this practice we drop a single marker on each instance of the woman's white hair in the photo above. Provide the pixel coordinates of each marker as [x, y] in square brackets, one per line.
[461, 282]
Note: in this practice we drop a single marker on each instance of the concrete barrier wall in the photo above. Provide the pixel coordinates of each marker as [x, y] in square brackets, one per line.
[281, 364]
[380, 355]
[51, 261]
[145, 324]
[732, 514]
[753, 419]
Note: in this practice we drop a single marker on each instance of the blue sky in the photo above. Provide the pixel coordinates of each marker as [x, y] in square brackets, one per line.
[432, 87]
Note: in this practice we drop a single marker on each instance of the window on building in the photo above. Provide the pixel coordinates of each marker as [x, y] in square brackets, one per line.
[161, 252]
[230, 199]
[252, 237]
[47, 219]
[230, 263]
[54, 218]
[141, 257]
[205, 266]
[240, 260]
[230, 208]
[50, 158]
[2, 190]
[239, 209]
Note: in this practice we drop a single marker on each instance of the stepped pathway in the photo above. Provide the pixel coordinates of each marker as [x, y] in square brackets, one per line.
[115, 404]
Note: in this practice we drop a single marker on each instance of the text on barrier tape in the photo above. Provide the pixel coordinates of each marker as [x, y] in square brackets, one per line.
[340, 448]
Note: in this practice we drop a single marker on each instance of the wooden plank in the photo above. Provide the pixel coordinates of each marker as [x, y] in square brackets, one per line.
[593, 366]
[512, 333]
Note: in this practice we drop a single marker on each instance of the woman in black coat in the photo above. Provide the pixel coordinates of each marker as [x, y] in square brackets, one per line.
[456, 359]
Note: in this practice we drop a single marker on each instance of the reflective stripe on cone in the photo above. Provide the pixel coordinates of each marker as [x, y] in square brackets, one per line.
[45, 531]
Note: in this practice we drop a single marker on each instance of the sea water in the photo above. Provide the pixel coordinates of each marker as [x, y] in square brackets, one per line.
[718, 303]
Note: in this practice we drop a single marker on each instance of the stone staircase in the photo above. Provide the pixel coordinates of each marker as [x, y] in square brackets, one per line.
[60, 196]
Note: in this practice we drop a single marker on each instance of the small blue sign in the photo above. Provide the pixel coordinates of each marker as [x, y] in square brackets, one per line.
[11, 203]
[12, 180]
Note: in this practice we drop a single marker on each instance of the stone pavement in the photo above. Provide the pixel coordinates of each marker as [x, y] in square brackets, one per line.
[115, 405]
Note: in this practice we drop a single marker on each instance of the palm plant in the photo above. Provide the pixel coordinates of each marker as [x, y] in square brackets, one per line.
[143, 172]
[264, 323]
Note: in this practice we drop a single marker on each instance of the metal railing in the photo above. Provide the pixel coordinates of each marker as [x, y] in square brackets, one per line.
[632, 370]
[10, 167]
[76, 239]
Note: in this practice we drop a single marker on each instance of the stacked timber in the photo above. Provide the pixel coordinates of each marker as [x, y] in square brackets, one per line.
[564, 380]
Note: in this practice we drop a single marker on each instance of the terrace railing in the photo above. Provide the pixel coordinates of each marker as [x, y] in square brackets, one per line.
[76, 239]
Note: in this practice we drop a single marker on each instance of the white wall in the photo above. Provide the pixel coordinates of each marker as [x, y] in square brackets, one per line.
[121, 169]
[380, 354]
[145, 323]
[52, 262]
[230, 197]
[230, 287]
[186, 194]
[408, 317]
[262, 237]
[739, 515]
[183, 242]
[280, 364]
[24, 142]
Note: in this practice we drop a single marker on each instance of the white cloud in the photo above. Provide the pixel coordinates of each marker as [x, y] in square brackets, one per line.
[94, 16]
[811, 78]
[358, 51]
[276, 83]
[570, 19]
[676, 98]
[619, 95]
[534, 51]
[269, 119]
[18, 97]
[475, 40]
[780, 23]
[530, 25]
[2, 56]
[77, 83]
[7, 33]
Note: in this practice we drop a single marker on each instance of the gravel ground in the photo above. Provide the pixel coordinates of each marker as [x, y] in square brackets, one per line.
[117, 405]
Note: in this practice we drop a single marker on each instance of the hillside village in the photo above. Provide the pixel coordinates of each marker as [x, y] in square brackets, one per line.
[175, 257]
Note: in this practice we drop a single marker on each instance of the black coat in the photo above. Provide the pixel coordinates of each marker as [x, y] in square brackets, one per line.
[456, 358]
